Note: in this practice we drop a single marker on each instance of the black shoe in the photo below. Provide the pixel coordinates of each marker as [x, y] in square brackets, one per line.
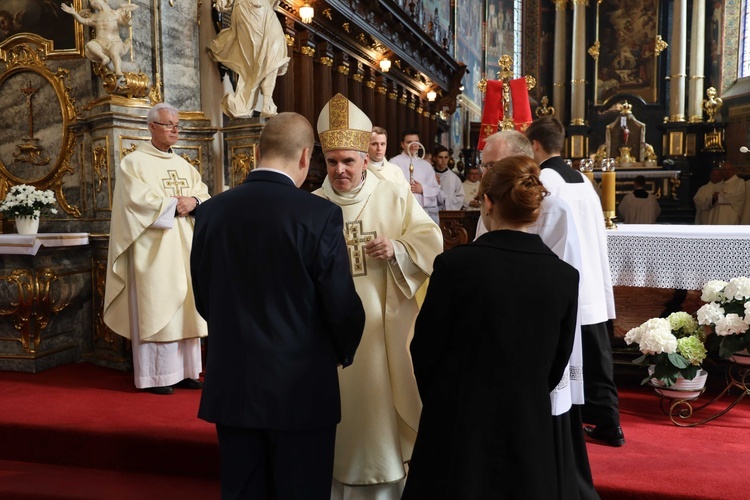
[612, 436]
[189, 383]
[164, 391]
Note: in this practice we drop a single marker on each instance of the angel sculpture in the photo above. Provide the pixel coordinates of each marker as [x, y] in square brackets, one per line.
[255, 48]
[107, 46]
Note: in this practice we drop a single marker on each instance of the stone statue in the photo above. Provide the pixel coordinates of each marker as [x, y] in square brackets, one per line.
[712, 104]
[255, 48]
[107, 46]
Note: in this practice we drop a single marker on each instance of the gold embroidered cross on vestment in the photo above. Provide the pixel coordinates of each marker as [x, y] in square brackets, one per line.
[356, 239]
[175, 183]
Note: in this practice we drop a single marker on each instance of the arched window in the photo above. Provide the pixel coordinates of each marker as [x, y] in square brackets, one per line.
[744, 63]
[517, 37]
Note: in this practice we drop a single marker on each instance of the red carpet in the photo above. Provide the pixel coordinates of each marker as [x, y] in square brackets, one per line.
[83, 432]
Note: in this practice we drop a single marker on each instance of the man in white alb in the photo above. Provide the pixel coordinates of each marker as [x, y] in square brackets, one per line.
[729, 202]
[149, 294]
[704, 198]
[422, 179]
[471, 188]
[640, 206]
[450, 184]
[378, 164]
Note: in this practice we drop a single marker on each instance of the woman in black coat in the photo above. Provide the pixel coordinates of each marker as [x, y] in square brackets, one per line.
[485, 366]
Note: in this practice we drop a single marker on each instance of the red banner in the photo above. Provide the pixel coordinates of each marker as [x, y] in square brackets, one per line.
[521, 107]
[493, 111]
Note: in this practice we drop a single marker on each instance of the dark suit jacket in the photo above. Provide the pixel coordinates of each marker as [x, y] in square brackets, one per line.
[485, 367]
[271, 277]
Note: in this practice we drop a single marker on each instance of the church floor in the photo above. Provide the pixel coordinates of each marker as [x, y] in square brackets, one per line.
[83, 432]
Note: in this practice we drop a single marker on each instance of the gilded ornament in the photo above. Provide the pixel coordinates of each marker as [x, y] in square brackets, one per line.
[343, 69]
[307, 51]
[660, 45]
[326, 61]
[712, 104]
[594, 50]
[545, 109]
[482, 85]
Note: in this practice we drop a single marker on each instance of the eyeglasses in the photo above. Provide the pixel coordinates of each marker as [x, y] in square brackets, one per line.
[168, 126]
[484, 167]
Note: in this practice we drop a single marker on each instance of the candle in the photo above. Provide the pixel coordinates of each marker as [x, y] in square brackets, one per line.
[608, 192]
[590, 175]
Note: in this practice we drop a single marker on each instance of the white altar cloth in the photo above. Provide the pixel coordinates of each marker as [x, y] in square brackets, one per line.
[29, 244]
[677, 256]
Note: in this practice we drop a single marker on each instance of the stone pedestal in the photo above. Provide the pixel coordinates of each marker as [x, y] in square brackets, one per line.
[45, 300]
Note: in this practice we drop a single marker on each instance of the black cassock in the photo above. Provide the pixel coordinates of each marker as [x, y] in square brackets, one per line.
[491, 341]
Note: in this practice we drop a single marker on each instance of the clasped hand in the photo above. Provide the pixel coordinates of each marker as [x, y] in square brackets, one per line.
[185, 205]
[379, 248]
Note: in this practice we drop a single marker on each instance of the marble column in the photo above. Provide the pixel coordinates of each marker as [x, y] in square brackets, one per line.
[578, 74]
[559, 60]
[677, 69]
[697, 54]
[176, 41]
[304, 95]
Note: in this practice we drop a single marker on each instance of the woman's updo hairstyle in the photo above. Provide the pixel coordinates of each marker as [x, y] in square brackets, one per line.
[513, 185]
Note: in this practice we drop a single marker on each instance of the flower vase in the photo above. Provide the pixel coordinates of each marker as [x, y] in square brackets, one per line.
[682, 388]
[741, 357]
[27, 225]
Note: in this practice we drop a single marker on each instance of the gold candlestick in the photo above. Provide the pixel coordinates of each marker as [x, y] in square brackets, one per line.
[609, 202]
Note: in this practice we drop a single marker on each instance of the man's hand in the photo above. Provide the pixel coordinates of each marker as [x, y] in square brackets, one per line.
[379, 248]
[185, 205]
[474, 203]
[416, 187]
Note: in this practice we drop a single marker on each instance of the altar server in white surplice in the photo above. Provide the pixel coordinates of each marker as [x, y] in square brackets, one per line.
[392, 243]
[471, 189]
[596, 301]
[640, 206]
[422, 180]
[450, 184]
[730, 200]
[377, 162]
[149, 295]
[704, 198]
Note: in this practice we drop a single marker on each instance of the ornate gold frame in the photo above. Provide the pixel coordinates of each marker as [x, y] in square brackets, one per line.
[52, 52]
[28, 54]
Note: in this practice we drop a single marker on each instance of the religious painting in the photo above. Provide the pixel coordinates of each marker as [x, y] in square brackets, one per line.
[468, 48]
[443, 9]
[43, 18]
[499, 37]
[627, 61]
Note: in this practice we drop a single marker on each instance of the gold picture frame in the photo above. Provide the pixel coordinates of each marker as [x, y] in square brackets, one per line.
[44, 160]
[61, 33]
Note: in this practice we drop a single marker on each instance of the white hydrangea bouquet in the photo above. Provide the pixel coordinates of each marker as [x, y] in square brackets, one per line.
[27, 201]
[727, 313]
[672, 345]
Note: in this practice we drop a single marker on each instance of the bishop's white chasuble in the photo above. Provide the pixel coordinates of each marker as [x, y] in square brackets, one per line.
[380, 403]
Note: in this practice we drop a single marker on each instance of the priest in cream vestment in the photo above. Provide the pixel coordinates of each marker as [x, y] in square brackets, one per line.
[149, 296]
[392, 243]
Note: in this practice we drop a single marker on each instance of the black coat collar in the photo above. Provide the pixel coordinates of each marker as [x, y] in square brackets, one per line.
[557, 164]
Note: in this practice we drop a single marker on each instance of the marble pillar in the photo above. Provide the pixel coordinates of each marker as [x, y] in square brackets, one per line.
[578, 74]
[677, 77]
[697, 56]
[559, 60]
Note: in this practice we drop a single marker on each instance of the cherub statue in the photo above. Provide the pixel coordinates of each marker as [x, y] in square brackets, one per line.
[255, 48]
[107, 46]
[648, 152]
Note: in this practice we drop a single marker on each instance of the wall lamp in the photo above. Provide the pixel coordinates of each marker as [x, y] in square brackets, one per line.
[385, 65]
[306, 13]
[431, 96]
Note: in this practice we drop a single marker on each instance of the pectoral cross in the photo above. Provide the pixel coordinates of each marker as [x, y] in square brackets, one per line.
[174, 182]
[356, 239]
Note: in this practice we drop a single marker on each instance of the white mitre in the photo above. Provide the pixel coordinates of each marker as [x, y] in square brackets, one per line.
[342, 125]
